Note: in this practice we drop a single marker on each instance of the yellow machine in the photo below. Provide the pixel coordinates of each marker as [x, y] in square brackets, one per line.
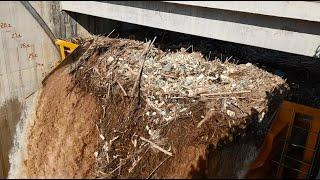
[66, 48]
[291, 147]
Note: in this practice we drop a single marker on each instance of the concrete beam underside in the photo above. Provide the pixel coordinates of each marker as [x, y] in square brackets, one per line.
[277, 33]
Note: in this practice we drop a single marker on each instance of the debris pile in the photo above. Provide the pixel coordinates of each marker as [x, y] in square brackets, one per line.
[156, 105]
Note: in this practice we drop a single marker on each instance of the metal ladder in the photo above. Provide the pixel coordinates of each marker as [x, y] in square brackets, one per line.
[290, 120]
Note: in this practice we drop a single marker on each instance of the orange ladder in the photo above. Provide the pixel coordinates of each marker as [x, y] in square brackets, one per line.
[285, 121]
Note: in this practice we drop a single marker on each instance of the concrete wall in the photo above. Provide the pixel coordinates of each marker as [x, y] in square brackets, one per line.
[26, 55]
[62, 25]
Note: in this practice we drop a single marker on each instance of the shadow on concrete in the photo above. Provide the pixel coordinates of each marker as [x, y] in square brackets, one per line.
[10, 113]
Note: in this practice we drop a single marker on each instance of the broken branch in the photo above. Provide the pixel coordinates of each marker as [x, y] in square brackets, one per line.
[156, 146]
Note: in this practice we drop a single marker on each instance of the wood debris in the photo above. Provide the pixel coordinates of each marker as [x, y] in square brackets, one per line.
[175, 89]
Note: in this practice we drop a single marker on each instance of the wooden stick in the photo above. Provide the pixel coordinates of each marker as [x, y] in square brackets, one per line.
[150, 175]
[184, 97]
[124, 92]
[110, 33]
[139, 76]
[156, 146]
[189, 48]
[208, 116]
[170, 76]
[225, 93]
[239, 108]
[138, 79]
[180, 97]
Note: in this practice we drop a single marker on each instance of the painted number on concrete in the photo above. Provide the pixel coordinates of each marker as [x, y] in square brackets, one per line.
[5, 25]
[32, 55]
[15, 35]
[25, 45]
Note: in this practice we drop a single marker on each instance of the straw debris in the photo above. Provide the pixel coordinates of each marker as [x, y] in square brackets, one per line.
[167, 101]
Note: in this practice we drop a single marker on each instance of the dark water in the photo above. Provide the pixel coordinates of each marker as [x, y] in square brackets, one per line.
[10, 112]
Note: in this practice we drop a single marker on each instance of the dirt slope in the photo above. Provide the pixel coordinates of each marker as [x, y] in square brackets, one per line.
[63, 137]
[97, 123]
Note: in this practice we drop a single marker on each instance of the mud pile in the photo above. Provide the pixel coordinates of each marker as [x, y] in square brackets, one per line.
[125, 109]
[161, 110]
[63, 135]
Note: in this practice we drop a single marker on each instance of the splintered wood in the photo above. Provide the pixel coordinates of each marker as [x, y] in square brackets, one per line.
[184, 101]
